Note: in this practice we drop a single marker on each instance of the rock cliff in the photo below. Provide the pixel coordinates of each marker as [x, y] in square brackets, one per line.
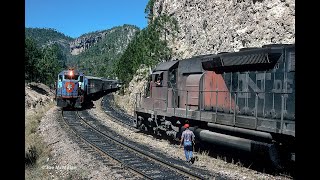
[207, 26]
[88, 40]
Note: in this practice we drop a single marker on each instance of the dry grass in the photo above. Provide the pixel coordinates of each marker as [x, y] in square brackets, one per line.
[36, 151]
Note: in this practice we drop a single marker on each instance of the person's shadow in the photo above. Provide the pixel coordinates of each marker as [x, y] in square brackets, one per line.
[193, 159]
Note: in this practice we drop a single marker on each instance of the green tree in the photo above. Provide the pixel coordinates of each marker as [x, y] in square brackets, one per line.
[42, 36]
[149, 10]
[42, 65]
[32, 56]
[50, 65]
[148, 47]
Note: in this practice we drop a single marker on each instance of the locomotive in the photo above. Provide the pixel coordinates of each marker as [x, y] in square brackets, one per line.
[74, 88]
[243, 100]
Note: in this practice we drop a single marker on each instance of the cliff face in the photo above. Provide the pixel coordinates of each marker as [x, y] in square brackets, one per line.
[88, 40]
[82, 43]
[207, 26]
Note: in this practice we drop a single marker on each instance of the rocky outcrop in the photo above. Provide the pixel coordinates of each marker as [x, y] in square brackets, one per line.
[88, 40]
[218, 26]
[136, 85]
[37, 94]
[84, 42]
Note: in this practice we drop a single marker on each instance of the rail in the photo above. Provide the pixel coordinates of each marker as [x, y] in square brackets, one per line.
[142, 162]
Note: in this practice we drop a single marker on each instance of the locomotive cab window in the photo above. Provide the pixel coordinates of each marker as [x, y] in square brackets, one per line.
[158, 79]
[60, 78]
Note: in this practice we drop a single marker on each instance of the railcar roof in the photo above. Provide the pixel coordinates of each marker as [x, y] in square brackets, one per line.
[109, 80]
[251, 59]
[189, 65]
[93, 77]
[164, 66]
[192, 65]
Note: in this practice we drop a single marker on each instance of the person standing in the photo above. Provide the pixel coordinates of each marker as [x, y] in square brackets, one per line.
[187, 138]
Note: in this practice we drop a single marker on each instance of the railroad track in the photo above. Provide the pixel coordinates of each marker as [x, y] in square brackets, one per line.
[142, 162]
[119, 115]
[116, 167]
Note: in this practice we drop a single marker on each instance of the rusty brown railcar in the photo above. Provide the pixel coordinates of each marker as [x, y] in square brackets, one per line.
[243, 100]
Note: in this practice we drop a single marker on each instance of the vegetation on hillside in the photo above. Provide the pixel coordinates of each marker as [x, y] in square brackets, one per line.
[42, 64]
[149, 47]
[99, 59]
[47, 37]
[43, 36]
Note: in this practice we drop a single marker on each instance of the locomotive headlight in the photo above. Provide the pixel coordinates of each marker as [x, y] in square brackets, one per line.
[71, 73]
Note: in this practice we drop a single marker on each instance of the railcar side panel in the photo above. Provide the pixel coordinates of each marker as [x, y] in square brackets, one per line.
[216, 95]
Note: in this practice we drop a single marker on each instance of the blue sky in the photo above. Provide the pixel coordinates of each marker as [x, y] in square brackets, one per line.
[76, 17]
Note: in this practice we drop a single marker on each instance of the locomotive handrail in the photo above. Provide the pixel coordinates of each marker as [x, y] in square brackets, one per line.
[233, 91]
[235, 107]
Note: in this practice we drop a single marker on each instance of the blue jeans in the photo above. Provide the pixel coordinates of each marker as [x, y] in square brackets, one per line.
[188, 150]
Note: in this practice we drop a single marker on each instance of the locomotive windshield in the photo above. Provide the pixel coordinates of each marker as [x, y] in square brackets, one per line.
[71, 77]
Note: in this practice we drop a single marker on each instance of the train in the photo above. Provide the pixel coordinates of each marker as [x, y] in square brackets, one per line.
[74, 88]
[243, 100]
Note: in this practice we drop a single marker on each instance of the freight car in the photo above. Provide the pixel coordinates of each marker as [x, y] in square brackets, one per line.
[244, 100]
[74, 88]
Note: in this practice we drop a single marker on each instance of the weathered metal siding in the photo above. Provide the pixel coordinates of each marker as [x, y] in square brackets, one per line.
[267, 94]
[192, 91]
[216, 95]
[159, 96]
[263, 100]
